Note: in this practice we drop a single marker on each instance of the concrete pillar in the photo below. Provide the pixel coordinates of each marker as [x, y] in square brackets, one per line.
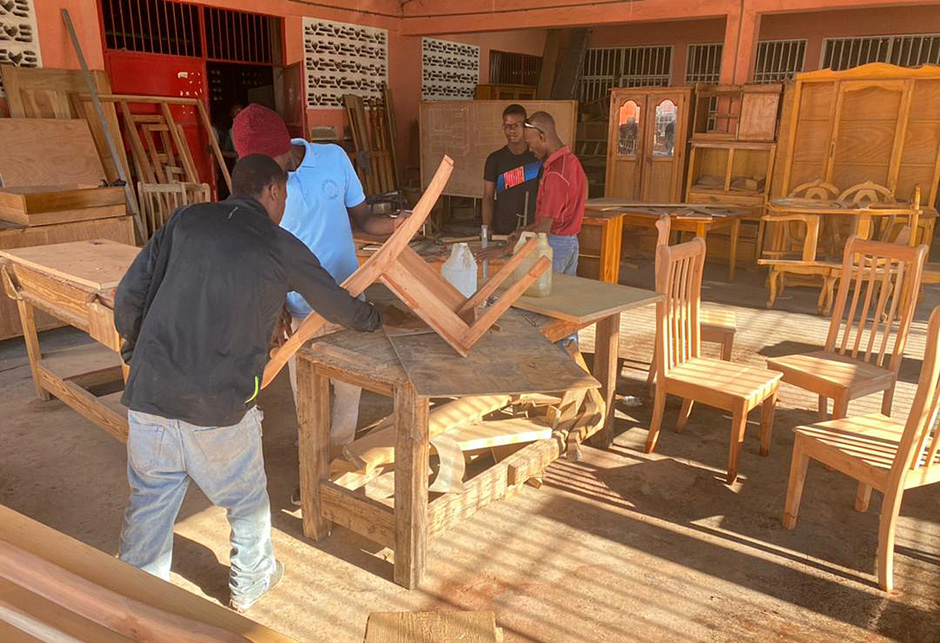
[742, 26]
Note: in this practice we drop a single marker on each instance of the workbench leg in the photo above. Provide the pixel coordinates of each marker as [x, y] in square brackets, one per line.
[733, 250]
[313, 429]
[411, 486]
[606, 349]
[31, 337]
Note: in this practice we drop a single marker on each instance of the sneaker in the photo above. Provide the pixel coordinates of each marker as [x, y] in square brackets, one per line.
[275, 578]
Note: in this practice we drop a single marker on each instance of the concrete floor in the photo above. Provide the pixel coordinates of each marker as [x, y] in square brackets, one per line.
[618, 547]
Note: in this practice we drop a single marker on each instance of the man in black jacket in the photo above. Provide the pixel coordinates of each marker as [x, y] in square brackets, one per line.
[196, 310]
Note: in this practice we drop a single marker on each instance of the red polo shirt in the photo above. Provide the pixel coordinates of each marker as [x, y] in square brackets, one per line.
[562, 192]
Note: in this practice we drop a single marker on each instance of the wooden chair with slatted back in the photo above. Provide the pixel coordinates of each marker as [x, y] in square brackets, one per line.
[879, 452]
[682, 371]
[158, 201]
[884, 279]
[718, 326]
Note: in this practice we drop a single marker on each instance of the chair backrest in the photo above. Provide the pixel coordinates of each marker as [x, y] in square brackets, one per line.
[818, 189]
[867, 192]
[918, 448]
[663, 224]
[679, 277]
[884, 279]
[158, 201]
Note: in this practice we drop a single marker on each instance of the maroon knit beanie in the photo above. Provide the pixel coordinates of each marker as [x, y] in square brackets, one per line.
[259, 130]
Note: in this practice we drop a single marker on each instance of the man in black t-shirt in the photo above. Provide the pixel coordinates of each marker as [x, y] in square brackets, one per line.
[510, 173]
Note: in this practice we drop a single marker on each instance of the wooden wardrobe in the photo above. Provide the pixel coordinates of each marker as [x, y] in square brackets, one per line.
[877, 122]
[647, 134]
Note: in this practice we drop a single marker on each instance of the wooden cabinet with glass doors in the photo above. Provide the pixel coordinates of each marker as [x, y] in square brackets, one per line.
[648, 132]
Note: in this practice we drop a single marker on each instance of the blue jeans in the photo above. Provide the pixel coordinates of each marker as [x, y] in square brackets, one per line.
[564, 253]
[226, 462]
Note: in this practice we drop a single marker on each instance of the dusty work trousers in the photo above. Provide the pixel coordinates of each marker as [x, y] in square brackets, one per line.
[345, 411]
[226, 462]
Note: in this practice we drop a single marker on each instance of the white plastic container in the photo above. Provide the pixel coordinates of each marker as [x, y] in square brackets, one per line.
[541, 287]
[460, 269]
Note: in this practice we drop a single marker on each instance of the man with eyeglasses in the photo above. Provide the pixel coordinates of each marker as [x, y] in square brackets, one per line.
[510, 177]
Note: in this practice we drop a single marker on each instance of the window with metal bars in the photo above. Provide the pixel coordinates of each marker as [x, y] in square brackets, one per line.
[703, 64]
[167, 27]
[604, 68]
[510, 68]
[779, 60]
[911, 50]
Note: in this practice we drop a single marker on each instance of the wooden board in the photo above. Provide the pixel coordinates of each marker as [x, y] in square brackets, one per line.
[514, 359]
[99, 264]
[33, 199]
[44, 151]
[469, 131]
[432, 627]
[582, 301]
[111, 575]
[119, 229]
[501, 432]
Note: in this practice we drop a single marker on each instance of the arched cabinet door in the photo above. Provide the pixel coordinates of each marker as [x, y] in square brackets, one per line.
[647, 143]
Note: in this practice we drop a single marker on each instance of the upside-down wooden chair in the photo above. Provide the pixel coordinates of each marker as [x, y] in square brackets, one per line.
[158, 201]
[878, 451]
[846, 368]
[423, 289]
[718, 326]
[682, 371]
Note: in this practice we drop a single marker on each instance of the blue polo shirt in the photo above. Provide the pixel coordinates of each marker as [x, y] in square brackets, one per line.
[318, 193]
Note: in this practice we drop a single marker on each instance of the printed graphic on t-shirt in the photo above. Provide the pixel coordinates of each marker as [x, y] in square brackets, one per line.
[517, 176]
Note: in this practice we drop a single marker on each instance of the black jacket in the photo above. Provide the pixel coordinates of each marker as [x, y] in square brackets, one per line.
[197, 308]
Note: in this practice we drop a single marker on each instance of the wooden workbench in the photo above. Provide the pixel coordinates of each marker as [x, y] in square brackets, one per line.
[685, 217]
[74, 283]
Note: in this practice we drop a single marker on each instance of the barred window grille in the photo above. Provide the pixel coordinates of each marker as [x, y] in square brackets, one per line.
[911, 50]
[604, 68]
[703, 64]
[242, 37]
[510, 68]
[779, 60]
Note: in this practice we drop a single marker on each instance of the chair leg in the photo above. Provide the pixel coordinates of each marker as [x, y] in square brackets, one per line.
[651, 377]
[862, 497]
[727, 344]
[887, 400]
[889, 519]
[798, 466]
[767, 422]
[823, 408]
[840, 407]
[684, 414]
[659, 405]
[772, 278]
[738, 427]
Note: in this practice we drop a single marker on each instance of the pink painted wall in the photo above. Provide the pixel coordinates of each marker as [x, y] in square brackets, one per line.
[680, 34]
[523, 41]
[817, 26]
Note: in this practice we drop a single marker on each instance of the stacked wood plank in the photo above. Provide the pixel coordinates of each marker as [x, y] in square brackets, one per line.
[373, 134]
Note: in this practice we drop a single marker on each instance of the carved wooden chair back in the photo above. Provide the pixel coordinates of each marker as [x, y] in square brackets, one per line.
[920, 443]
[679, 277]
[867, 192]
[158, 201]
[818, 190]
[884, 282]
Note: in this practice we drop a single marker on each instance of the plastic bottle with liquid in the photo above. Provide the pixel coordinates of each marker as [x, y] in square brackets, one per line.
[541, 287]
[460, 269]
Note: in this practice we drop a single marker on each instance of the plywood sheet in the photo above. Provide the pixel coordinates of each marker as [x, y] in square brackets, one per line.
[582, 301]
[432, 627]
[515, 358]
[468, 131]
[42, 151]
[99, 264]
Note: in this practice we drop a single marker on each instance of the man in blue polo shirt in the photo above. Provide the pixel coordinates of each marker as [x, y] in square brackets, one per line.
[323, 194]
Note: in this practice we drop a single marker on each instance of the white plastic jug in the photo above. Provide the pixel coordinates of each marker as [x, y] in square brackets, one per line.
[460, 269]
[541, 287]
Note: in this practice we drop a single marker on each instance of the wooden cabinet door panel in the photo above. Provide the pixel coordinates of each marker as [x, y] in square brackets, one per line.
[625, 147]
[665, 147]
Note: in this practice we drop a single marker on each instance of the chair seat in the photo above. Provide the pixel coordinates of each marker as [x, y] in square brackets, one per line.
[829, 374]
[870, 439]
[720, 383]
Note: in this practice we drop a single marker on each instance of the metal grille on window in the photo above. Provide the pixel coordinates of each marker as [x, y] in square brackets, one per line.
[910, 50]
[607, 67]
[152, 26]
[704, 63]
[779, 60]
[509, 68]
[241, 37]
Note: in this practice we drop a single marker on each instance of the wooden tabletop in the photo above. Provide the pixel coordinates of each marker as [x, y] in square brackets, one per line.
[696, 211]
[583, 301]
[98, 264]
